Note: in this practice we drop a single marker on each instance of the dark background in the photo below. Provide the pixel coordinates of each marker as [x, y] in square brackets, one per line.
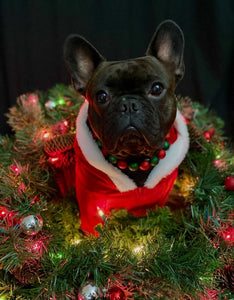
[32, 34]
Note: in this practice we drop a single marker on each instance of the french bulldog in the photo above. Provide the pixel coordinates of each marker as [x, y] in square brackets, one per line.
[130, 137]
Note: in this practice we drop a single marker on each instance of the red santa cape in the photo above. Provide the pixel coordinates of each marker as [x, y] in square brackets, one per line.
[102, 186]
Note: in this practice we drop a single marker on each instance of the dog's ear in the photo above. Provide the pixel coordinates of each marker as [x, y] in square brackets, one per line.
[81, 59]
[167, 45]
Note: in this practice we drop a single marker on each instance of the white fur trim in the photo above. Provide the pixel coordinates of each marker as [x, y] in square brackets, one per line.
[175, 154]
[94, 156]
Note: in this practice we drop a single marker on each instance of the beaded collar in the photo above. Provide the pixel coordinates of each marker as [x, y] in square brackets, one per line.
[144, 165]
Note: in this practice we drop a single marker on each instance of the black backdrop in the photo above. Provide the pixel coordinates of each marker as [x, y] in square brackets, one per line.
[32, 34]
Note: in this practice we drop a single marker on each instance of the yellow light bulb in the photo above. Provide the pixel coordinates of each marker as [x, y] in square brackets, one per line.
[76, 242]
[100, 212]
[138, 249]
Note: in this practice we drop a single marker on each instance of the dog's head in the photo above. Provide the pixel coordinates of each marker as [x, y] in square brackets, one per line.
[132, 105]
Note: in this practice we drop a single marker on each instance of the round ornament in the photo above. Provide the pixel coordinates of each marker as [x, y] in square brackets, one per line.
[161, 154]
[90, 292]
[166, 145]
[145, 165]
[31, 224]
[154, 161]
[50, 104]
[229, 183]
[122, 164]
[133, 167]
[112, 159]
[104, 152]
[116, 293]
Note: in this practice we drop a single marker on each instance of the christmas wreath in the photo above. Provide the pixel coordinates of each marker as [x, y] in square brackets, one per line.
[181, 251]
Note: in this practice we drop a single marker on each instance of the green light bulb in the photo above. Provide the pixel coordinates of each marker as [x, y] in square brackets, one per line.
[61, 101]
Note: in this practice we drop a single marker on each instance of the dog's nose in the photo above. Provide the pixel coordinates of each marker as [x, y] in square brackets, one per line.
[129, 105]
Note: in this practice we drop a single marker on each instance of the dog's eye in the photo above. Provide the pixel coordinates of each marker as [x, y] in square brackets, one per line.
[102, 97]
[157, 89]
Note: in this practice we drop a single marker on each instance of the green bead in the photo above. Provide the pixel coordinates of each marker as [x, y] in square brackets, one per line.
[112, 159]
[133, 167]
[166, 145]
[154, 161]
[99, 143]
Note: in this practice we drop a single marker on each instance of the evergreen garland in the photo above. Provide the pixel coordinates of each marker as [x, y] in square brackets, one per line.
[181, 251]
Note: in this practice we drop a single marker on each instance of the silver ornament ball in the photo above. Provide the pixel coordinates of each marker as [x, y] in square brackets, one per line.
[50, 104]
[90, 292]
[31, 224]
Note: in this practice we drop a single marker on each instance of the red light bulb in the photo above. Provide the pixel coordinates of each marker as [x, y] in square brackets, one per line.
[3, 212]
[16, 169]
[53, 159]
[228, 235]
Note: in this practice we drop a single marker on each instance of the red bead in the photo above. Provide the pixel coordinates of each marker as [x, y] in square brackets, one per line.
[229, 183]
[161, 154]
[122, 164]
[167, 138]
[144, 166]
[104, 152]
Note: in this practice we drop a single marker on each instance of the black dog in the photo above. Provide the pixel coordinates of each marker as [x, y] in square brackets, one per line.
[131, 111]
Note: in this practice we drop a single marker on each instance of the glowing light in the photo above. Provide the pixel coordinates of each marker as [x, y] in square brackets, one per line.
[56, 255]
[61, 101]
[54, 159]
[229, 234]
[16, 169]
[3, 212]
[76, 242]
[138, 249]
[218, 163]
[33, 98]
[65, 122]
[46, 135]
[100, 212]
